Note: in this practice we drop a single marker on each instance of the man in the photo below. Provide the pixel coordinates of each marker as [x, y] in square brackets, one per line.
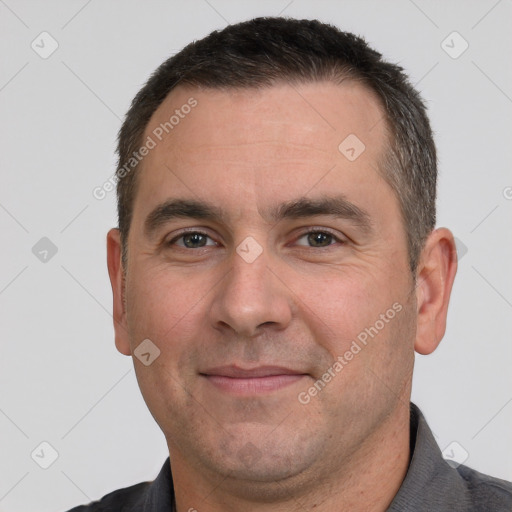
[275, 268]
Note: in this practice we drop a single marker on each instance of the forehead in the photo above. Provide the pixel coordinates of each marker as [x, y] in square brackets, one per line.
[244, 146]
[320, 111]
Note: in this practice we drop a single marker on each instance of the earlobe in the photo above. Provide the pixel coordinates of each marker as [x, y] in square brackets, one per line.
[115, 271]
[435, 275]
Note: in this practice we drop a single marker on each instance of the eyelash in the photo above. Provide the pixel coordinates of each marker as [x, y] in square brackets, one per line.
[305, 233]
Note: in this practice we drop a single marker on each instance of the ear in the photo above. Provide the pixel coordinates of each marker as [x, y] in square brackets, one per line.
[115, 271]
[435, 274]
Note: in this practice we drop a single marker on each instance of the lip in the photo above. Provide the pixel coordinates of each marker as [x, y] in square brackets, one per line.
[249, 381]
[237, 372]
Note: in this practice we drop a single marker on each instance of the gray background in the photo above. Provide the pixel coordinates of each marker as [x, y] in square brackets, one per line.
[62, 380]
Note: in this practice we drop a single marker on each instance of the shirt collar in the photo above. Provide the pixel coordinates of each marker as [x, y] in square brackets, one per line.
[430, 483]
[160, 494]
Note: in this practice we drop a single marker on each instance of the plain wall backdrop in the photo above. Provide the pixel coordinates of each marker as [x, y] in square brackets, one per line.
[61, 379]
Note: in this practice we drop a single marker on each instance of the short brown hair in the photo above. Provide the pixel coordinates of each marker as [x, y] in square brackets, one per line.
[264, 51]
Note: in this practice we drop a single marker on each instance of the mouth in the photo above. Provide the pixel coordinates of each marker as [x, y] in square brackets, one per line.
[240, 381]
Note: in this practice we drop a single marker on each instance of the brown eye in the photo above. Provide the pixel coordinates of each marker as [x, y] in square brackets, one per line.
[191, 240]
[319, 239]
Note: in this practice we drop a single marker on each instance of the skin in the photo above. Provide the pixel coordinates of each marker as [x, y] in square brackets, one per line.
[300, 304]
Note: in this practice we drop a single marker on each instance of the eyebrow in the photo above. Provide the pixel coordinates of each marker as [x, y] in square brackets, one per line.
[332, 206]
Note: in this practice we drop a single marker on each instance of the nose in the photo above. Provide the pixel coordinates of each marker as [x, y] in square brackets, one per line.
[252, 295]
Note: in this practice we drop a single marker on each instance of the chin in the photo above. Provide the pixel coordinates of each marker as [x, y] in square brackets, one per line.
[263, 459]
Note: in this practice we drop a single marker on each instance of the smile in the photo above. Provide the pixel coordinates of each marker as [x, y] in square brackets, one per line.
[240, 381]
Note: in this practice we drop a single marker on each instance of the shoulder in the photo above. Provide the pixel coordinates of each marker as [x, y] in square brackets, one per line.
[434, 483]
[128, 499]
[155, 495]
[486, 492]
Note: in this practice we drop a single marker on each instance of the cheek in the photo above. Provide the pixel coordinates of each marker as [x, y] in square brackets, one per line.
[166, 309]
[374, 363]
[341, 304]
[164, 305]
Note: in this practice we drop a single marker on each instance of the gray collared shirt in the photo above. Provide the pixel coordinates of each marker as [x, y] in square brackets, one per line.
[431, 485]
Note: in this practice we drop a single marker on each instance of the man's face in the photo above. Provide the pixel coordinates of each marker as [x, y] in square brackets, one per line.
[249, 311]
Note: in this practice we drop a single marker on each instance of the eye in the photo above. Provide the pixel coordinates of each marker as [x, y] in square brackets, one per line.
[319, 238]
[191, 240]
[315, 238]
